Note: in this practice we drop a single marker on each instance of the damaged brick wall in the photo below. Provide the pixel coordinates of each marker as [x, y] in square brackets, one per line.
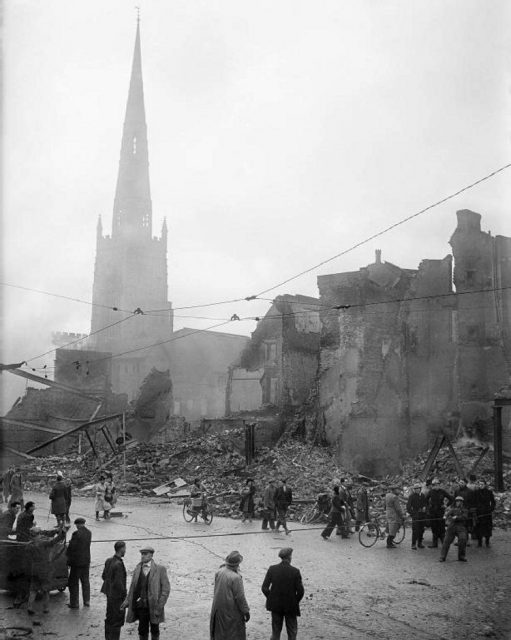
[393, 375]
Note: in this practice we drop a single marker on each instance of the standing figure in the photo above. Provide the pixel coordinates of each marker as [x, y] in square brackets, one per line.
[58, 497]
[269, 506]
[230, 611]
[108, 499]
[149, 591]
[67, 482]
[114, 587]
[394, 514]
[436, 499]
[6, 482]
[283, 589]
[25, 523]
[100, 496]
[336, 515]
[40, 557]
[113, 490]
[362, 507]
[198, 498]
[247, 500]
[7, 520]
[17, 487]
[78, 559]
[485, 505]
[456, 519]
[416, 507]
[283, 498]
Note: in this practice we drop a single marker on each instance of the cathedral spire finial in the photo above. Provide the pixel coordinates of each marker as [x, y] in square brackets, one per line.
[137, 8]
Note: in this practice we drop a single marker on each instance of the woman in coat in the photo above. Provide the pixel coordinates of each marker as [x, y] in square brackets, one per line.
[230, 610]
[100, 496]
[247, 500]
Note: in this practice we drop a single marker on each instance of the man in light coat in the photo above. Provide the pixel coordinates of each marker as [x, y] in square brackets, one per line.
[148, 593]
[230, 611]
[394, 514]
[283, 589]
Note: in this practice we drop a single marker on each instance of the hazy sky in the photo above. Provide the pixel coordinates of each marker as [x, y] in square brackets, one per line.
[280, 133]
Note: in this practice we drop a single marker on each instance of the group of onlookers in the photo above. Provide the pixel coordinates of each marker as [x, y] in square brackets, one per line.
[276, 499]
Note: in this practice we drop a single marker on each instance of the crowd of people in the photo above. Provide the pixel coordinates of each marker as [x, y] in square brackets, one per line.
[460, 512]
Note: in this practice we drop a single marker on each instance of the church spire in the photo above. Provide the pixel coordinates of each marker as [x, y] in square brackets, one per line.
[132, 215]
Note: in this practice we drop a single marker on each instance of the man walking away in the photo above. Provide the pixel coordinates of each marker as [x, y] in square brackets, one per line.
[269, 506]
[149, 591]
[456, 518]
[78, 559]
[283, 498]
[336, 515]
[114, 587]
[230, 611]
[58, 497]
[394, 515]
[283, 589]
[416, 507]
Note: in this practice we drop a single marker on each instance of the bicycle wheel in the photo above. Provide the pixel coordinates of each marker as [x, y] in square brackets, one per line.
[308, 515]
[207, 515]
[187, 511]
[368, 534]
[400, 535]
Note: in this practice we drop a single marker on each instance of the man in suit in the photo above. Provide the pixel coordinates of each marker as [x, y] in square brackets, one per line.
[149, 591]
[283, 589]
[78, 559]
[114, 587]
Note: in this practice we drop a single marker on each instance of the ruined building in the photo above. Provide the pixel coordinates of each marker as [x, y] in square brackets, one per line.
[278, 366]
[404, 356]
[131, 264]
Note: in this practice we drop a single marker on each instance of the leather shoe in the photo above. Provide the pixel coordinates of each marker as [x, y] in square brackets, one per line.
[72, 607]
[86, 604]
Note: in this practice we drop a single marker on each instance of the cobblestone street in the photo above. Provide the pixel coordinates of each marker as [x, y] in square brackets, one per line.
[350, 591]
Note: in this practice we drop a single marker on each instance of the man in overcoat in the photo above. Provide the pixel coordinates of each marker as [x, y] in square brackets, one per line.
[283, 498]
[416, 507]
[230, 611]
[269, 506]
[394, 514]
[148, 593]
[78, 559]
[283, 589]
[58, 497]
[114, 587]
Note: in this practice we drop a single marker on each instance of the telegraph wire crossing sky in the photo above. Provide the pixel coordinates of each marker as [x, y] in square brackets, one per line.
[272, 143]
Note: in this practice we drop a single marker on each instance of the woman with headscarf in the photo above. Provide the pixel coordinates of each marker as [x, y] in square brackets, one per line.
[230, 611]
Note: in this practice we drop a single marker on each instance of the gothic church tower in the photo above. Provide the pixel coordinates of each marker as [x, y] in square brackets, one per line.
[131, 265]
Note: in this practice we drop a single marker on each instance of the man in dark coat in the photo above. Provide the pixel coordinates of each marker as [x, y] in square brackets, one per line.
[59, 499]
[436, 510]
[78, 559]
[283, 498]
[7, 519]
[283, 589]
[336, 516]
[416, 507]
[114, 587]
[25, 523]
[485, 505]
[269, 506]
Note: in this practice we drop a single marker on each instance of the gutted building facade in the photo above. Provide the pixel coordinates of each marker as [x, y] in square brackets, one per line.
[404, 356]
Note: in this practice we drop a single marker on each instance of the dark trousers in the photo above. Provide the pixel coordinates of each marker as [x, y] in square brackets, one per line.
[437, 526]
[276, 625]
[281, 516]
[268, 518]
[335, 520]
[459, 531]
[77, 575]
[144, 623]
[417, 530]
[114, 618]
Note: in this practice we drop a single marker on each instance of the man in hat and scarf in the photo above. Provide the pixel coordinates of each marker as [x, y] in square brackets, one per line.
[283, 589]
[456, 518]
[436, 509]
[230, 611]
[416, 507]
[149, 591]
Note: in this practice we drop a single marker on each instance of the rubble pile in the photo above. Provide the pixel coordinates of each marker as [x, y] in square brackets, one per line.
[218, 460]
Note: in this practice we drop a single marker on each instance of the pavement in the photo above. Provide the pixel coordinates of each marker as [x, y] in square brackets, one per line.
[350, 591]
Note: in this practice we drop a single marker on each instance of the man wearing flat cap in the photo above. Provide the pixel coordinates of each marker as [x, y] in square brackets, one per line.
[78, 559]
[230, 611]
[456, 517]
[283, 589]
[114, 587]
[416, 507]
[148, 593]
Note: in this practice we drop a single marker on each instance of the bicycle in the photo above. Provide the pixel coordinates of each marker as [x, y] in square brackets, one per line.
[317, 512]
[191, 511]
[373, 530]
